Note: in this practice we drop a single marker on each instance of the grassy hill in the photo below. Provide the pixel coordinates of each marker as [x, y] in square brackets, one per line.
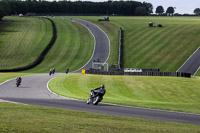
[167, 93]
[22, 41]
[73, 48]
[165, 48]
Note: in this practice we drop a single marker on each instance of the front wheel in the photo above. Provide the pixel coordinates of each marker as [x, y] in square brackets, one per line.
[96, 100]
[88, 101]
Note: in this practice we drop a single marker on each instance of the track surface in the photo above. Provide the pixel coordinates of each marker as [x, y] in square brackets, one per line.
[34, 91]
[102, 44]
[192, 63]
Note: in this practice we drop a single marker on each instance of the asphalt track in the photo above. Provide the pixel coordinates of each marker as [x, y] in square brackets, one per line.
[192, 63]
[102, 44]
[34, 91]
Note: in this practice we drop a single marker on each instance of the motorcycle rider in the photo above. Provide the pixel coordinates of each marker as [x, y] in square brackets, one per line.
[101, 89]
[50, 71]
[53, 70]
[19, 80]
[95, 93]
[67, 70]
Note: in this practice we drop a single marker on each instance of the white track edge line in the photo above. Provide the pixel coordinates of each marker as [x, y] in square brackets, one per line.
[196, 71]
[104, 34]
[93, 49]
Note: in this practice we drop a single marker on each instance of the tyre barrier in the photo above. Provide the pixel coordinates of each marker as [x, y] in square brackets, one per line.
[147, 73]
[42, 55]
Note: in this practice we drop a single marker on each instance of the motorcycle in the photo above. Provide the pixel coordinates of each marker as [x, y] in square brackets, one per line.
[95, 97]
[18, 83]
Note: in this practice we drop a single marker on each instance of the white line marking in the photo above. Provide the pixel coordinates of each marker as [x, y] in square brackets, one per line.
[93, 49]
[196, 71]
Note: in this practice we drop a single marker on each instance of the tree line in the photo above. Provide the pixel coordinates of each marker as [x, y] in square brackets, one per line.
[197, 11]
[169, 12]
[110, 7]
[125, 8]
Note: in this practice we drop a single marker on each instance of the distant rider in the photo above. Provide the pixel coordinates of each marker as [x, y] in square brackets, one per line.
[53, 70]
[19, 80]
[67, 70]
[50, 71]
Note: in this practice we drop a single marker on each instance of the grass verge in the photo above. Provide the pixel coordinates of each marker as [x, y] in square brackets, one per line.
[166, 93]
[7, 76]
[23, 118]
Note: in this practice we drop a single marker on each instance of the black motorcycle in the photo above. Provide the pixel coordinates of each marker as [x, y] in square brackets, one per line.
[95, 97]
[18, 81]
[18, 84]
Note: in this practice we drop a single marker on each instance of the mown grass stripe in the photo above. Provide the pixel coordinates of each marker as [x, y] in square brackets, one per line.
[131, 24]
[17, 55]
[154, 49]
[157, 49]
[72, 49]
[145, 47]
[177, 51]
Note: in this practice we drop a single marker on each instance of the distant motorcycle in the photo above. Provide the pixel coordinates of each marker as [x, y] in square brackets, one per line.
[18, 81]
[96, 95]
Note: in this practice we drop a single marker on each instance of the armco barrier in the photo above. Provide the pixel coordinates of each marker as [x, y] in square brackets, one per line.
[41, 57]
[147, 73]
[120, 59]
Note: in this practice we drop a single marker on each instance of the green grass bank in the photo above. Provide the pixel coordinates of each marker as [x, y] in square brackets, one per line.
[22, 118]
[22, 41]
[73, 48]
[166, 93]
[166, 48]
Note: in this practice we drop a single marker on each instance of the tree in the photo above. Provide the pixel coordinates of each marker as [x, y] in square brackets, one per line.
[4, 8]
[140, 11]
[1, 13]
[160, 10]
[197, 11]
[149, 7]
[121, 7]
[170, 11]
